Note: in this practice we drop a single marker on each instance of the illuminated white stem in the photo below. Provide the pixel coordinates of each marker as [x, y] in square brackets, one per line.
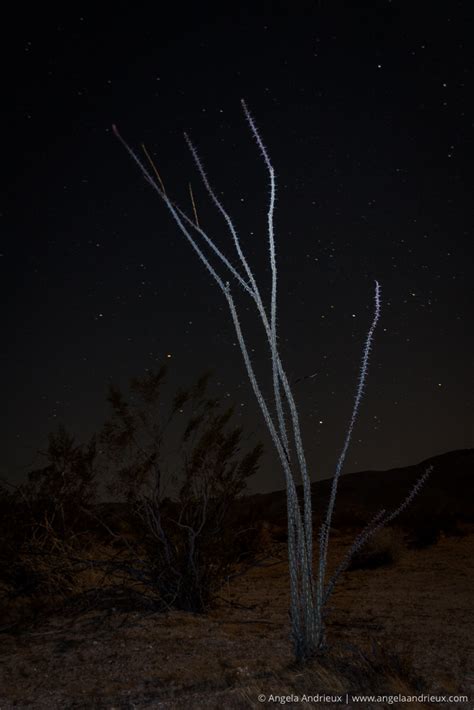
[307, 598]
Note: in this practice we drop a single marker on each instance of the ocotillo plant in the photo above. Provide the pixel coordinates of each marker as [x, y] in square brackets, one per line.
[309, 593]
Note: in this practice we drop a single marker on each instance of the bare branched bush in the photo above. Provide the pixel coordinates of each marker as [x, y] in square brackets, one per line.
[186, 541]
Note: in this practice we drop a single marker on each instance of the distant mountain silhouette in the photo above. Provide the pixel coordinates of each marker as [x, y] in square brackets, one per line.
[447, 492]
[446, 496]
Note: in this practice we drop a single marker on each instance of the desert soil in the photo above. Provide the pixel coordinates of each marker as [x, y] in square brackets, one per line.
[419, 609]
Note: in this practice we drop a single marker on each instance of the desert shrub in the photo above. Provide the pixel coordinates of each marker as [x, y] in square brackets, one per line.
[187, 539]
[383, 549]
[427, 530]
[65, 489]
[45, 521]
[425, 533]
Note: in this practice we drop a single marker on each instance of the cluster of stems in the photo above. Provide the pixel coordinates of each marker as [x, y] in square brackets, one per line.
[309, 591]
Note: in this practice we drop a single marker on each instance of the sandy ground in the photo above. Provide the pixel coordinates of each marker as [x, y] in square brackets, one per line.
[419, 611]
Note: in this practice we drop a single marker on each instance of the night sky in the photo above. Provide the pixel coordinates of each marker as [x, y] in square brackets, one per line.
[366, 111]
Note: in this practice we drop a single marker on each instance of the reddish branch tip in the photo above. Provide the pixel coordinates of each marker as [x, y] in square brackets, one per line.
[115, 130]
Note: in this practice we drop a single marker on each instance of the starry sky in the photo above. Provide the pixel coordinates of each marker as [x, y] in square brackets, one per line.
[366, 111]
